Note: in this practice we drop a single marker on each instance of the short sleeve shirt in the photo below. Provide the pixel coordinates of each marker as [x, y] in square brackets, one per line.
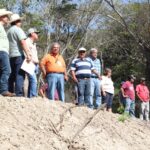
[53, 63]
[129, 90]
[32, 48]
[143, 92]
[107, 84]
[97, 65]
[4, 44]
[15, 35]
[83, 68]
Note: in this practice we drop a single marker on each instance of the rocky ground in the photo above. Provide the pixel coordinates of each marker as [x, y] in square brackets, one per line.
[40, 124]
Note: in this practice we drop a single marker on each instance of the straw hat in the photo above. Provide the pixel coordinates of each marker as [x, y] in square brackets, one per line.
[15, 17]
[4, 12]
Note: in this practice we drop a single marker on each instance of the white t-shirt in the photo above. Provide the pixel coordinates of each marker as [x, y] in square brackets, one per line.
[107, 84]
[33, 50]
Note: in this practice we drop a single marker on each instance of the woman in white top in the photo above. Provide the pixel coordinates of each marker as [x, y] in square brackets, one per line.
[108, 89]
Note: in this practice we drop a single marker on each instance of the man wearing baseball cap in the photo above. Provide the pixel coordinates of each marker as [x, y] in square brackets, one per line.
[81, 69]
[128, 93]
[17, 49]
[144, 97]
[32, 38]
[4, 54]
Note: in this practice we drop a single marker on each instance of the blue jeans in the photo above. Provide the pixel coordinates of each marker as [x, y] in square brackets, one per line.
[130, 107]
[84, 92]
[96, 91]
[32, 88]
[17, 76]
[55, 82]
[5, 71]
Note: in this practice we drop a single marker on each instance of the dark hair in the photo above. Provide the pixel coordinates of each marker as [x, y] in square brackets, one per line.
[15, 22]
[29, 35]
[106, 71]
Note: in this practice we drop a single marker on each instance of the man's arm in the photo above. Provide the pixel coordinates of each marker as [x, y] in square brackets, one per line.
[65, 75]
[137, 92]
[42, 66]
[95, 72]
[26, 50]
[138, 95]
[123, 93]
[74, 76]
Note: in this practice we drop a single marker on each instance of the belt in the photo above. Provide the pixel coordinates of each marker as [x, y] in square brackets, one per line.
[84, 78]
[55, 72]
[94, 77]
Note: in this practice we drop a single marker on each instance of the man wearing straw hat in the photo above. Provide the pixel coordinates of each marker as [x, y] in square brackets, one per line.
[4, 54]
[18, 46]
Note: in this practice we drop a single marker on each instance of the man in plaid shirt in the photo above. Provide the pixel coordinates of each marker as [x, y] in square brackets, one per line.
[95, 81]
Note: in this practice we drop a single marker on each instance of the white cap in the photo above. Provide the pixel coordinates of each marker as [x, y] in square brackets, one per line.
[32, 30]
[81, 49]
[4, 12]
[15, 17]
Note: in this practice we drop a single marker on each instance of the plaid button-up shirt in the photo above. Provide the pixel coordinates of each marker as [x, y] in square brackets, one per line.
[97, 65]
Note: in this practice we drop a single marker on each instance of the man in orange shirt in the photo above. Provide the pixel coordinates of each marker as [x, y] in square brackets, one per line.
[54, 69]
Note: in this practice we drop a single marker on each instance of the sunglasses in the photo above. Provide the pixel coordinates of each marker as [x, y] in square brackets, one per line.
[82, 52]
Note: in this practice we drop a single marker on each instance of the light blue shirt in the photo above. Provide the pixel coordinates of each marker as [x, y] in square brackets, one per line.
[15, 35]
[4, 44]
[97, 65]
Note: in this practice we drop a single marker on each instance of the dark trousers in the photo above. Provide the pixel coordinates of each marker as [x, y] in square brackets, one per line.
[4, 72]
[17, 76]
[108, 100]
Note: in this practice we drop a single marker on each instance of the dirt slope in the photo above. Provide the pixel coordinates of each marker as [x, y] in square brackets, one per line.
[39, 124]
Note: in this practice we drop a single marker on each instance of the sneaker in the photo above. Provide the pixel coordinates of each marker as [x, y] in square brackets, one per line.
[9, 94]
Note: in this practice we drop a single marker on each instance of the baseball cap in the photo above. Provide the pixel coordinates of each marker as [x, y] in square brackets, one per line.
[81, 49]
[33, 30]
[142, 79]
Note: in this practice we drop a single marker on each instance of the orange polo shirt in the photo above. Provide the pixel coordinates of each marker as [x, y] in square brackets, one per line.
[53, 63]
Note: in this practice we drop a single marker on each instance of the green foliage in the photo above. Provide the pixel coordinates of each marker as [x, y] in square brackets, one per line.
[123, 117]
[120, 110]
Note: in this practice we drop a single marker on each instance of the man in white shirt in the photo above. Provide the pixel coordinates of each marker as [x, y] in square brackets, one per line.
[5, 69]
[32, 38]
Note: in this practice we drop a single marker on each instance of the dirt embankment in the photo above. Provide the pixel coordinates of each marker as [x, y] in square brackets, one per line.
[39, 124]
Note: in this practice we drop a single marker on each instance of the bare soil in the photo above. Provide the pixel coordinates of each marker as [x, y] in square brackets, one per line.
[40, 124]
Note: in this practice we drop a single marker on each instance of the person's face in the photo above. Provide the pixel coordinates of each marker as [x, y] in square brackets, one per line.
[132, 80]
[143, 82]
[18, 23]
[94, 54]
[35, 36]
[5, 19]
[109, 74]
[82, 54]
[55, 49]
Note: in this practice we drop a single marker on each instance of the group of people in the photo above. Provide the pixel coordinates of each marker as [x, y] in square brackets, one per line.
[128, 97]
[16, 48]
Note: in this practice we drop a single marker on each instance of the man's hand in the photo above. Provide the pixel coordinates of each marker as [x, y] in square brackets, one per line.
[66, 77]
[29, 58]
[99, 77]
[125, 96]
[75, 80]
[104, 93]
